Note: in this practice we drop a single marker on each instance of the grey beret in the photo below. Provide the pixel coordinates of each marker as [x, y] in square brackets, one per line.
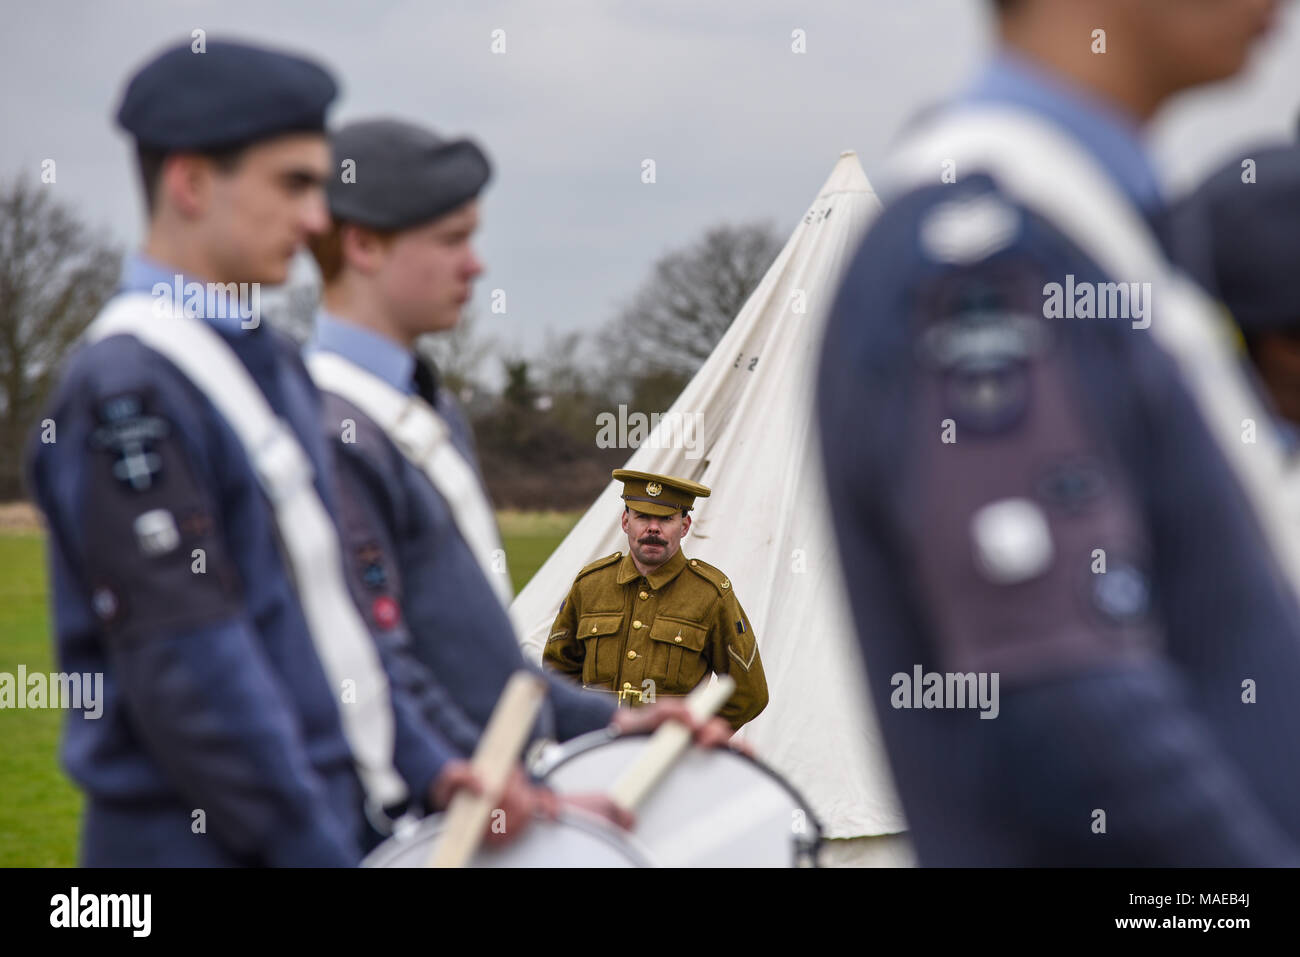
[228, 95]
[404, 174]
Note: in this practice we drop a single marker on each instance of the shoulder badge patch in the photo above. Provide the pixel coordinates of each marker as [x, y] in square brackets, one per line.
[130, 436]
[963, 231]
[370, 566]
[156, 532]
[981, 341]
[385, 612]
[1012, 541]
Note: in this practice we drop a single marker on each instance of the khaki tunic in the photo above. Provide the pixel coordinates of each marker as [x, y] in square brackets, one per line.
[659, 635]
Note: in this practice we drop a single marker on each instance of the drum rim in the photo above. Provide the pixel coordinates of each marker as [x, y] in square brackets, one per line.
[582, 820]
[567, 750]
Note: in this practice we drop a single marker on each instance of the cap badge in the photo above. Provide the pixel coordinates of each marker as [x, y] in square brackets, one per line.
[653, 489]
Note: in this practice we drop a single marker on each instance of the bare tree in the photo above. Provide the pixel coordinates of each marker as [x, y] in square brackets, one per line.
[291, 307]
[573, 393]
[54, 276]
[681, 311]
[459, 354]
[561, 367]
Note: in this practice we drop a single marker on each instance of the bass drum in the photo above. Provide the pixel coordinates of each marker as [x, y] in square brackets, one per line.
[714, 808]
[576, 839]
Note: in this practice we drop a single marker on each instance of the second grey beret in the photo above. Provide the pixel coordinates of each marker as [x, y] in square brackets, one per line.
[401, 175]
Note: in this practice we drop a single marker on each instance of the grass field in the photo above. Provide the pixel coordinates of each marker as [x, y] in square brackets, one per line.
[39, 807]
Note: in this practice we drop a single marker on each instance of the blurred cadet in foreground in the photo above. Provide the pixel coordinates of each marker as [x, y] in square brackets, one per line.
[1051, 479]
[398, 262]
[249, 717]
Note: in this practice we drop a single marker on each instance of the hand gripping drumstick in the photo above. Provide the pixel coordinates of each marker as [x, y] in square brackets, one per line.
[494, 759]
[667, 744]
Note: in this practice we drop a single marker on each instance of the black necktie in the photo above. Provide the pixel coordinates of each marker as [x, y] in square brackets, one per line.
[426, 381]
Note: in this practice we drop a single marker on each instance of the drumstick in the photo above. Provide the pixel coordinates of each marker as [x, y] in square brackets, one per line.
[494, 759]
[667, 744]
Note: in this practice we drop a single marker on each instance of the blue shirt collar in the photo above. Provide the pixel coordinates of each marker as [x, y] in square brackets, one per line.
[1113, 139]
[375, 353]
[140, 273]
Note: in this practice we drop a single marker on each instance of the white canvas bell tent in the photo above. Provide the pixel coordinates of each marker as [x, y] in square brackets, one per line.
[767, 523]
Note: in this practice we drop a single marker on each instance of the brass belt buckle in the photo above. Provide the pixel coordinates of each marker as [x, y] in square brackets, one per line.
[629, 694]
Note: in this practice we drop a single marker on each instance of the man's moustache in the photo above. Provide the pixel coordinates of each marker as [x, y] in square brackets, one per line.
[652, 541]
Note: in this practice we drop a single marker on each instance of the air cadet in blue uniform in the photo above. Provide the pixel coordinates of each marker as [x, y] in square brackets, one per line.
[222, 741]
[1044, 499]
[398, 263]
[1237, 233]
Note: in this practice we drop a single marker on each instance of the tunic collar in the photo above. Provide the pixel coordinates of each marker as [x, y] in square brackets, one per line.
[661, 576]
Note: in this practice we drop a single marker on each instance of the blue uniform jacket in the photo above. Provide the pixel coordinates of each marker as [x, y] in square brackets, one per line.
[457, 627]
[1124, 691]
[215, 700]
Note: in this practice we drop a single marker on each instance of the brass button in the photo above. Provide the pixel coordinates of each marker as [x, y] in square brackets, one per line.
[636, 624]
[694, 563]
[626, 685]
[678, 638]
[631, 655]
[645, 595]
[594, 629]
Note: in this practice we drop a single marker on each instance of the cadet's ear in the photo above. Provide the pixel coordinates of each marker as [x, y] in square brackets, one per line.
[686, 524]
[363, 248]
[185, 182]
[625, 518]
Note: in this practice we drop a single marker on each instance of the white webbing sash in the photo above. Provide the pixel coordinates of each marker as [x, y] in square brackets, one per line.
[344, 644]
[1040, 167]
[422, 435]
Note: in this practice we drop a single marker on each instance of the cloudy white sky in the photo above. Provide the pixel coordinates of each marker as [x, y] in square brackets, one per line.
[740, 127]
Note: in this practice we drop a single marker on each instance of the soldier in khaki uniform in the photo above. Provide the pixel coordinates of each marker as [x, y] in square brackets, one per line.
[654, 622]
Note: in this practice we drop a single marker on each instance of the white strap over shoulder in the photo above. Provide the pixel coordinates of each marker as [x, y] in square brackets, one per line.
[424, 438]
[342, 641]
[1035, 163]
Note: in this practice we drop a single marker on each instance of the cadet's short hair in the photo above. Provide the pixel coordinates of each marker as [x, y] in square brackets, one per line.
[150, 163]
[327, 248]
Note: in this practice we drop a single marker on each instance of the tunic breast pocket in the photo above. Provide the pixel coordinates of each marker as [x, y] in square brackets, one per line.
[677, 659]
[600, 636]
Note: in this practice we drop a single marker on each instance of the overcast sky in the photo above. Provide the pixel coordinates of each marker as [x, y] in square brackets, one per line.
[739, 126]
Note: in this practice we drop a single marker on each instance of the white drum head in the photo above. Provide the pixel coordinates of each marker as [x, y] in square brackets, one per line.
[575, 840]
[715, 808]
